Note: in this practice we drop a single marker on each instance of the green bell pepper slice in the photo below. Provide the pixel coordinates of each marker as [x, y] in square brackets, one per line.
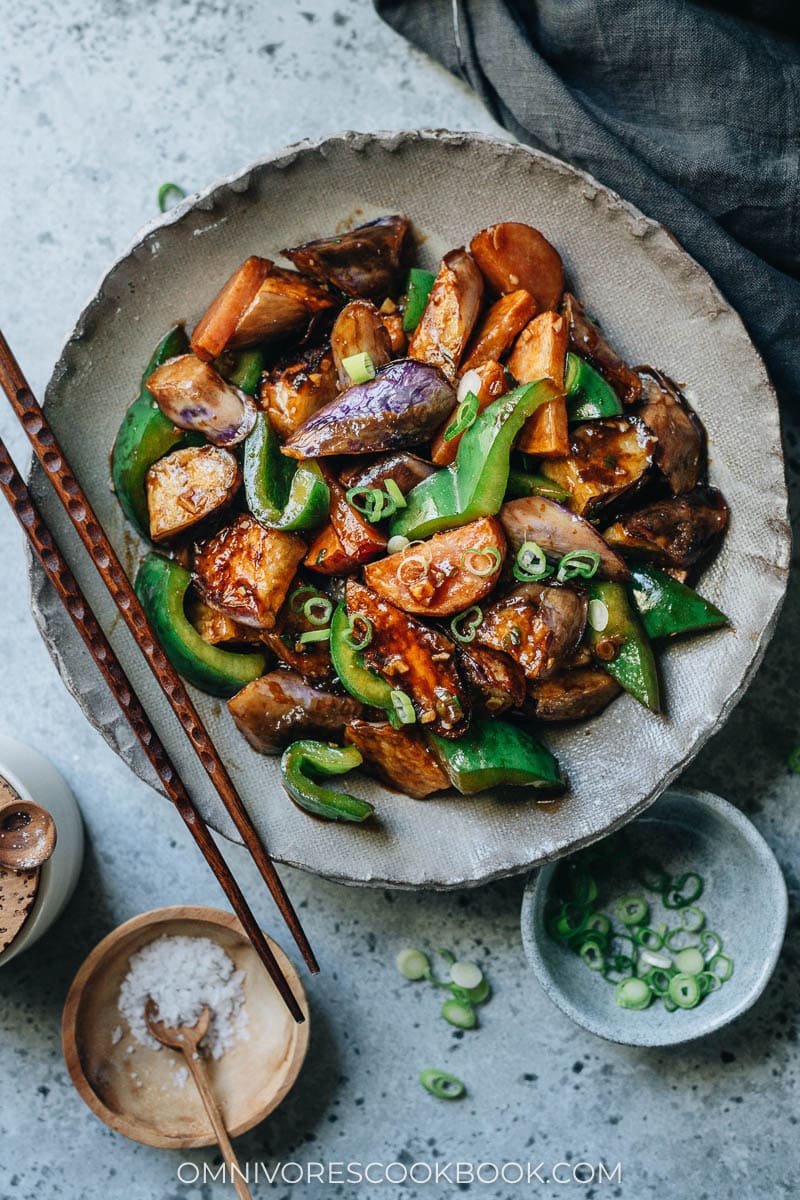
[247, 369]
[302, 760]
[611, 616]
[360, 680]
[161, 585]
[528, 483]
[589, 396]
[475, 485]
[494, 753]
[145, 436]
[667, 607]
[418, 288]
[281, 493]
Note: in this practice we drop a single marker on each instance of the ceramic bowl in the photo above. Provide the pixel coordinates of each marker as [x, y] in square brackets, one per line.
[656, 304]
[142, 1092]
[744, 900]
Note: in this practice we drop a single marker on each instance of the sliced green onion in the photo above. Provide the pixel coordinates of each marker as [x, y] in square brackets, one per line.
[690, 961]
[633, 993]
[794, 761]
[295, 601]
[708, 982]
[685, 990]
[466, 975]
[376, 504]
[395, 494]
[651, 874]
[464, 626]
[721, 966]
[571, 920]
[314, 635]
[693, 918]
[413, 964]
[583, 563]
[593, 956]
[491, 552]
[166, 191]
[397, 544]
[651, 939]
[464, 416]
[441, 1085]
[447, 955]
[597, 616]
[684, 890]
[669, 1003]
[651, 958]
[632, 910]
[658, 980]
[710, 943]
[460, 1014]
[318, 610]
[403, 707]
[600, 922]
[681, 939]
[481, 993]
[363, 642]
[531, 563]
[584, 888]
[359, 367]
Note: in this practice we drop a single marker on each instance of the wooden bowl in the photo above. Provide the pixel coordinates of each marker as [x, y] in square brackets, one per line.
[141, 1092]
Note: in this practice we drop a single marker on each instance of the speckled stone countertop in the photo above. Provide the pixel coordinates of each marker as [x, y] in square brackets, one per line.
[102, 101]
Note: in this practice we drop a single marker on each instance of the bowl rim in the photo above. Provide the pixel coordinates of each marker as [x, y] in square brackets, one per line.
[535, 894]
[121, 1122]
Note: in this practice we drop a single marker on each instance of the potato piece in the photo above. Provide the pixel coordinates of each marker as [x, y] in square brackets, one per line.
[679, 452]
[186, 486]
[245, 570]
[437, 578]
[359, 539]
[496, 682]
[292, 393]
[572, 695]
[415, 658]
[217, 629]
[540, 352]
[310, 659]
[487, 382]
[450, 314]
[366, 261]
[499, 327]
[326, 554]
[280, 707]
[587, 340]
[546, 433]
[393, 323]
[514, 255]
[677, 532]
[537, 625]
[607, 460]
[358, 329]
[398, 757]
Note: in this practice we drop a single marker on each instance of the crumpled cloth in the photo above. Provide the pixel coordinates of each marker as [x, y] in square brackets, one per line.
[690, 111]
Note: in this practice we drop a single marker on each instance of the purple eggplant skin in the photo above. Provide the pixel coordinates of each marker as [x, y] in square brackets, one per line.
[194, 396]
[407, 470]
[402, 406]
[558, 531]
[366, 262]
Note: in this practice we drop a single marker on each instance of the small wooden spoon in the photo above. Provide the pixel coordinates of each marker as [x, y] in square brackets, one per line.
[27, 832]
[187, 1038]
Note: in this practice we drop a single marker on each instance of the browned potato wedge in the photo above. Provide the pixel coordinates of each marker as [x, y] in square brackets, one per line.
[445, 574]
[359, 329]
[366, 261]
[186, 486]
[310, 659]
[245, 570]
[360, 540]
[487, 382]
[293, 393]
[572, 695]
[280, 707]
[194, 396]
[398, 757]
[512, 255]
[677, 532]
[327, 555]
[407, 470]
[215, 628]
[393, 323]
[415, 658]
[450, 314]
[496, 682]
[587, 340]
[540, 352]
[607, 460]
[501, 324]
[558, 531]
[679, 452]
[537, 624]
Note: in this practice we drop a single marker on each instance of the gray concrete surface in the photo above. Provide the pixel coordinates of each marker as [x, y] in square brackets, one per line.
[103, 100]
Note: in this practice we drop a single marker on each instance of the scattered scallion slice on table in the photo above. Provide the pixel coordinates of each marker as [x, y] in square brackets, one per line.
[413, 964]
[170, 194]
[442, 1085]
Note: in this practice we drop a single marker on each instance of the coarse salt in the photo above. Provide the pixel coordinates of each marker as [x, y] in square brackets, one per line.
[183, 975]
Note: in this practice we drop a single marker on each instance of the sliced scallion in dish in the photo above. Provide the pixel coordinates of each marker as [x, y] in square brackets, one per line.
[359, 368]
[531, 563]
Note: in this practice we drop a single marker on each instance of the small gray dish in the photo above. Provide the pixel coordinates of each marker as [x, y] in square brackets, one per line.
[744, 900]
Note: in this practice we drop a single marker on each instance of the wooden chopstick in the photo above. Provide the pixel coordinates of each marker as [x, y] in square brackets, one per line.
[91, 533]
[55, 566]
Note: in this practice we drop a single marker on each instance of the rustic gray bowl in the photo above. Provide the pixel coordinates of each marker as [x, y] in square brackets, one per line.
[656, 303]
[744, 900]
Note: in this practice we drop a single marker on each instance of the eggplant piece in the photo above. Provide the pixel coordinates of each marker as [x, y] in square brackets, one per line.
[280, 707]
[679, 453]
[259, 303]
[245, 570]
[414, 658]
[558, 531]
[217, 629]
[496, 682]
[359, 539]
[402, 406]
[398, 757]
[367, 261]
[293, 392]
[312, 660]
[358, 329]
[488, 382]
[607, 460]
[407, 470]
[444, 575]
[514, 255]
[496, 332]
[537, 624]
[187, 486]
[194, 396]
[450, 314]
[587, 340]
[676, 532]
[572, 695]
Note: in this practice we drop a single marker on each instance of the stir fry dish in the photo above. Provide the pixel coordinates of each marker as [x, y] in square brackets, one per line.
[403, 520]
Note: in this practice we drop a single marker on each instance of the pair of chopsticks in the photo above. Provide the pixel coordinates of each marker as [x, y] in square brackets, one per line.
[88, 528]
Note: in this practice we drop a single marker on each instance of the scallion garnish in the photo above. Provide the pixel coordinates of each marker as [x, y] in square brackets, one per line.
[394, 493]
[464, 626]
[397, 544]
[413, 964]
[684, 990]
[458, 1013]
[441, 1085]
[465, 415]
[359, 367]
[314, 635]
[372, 503]
[365, 639]
[597, 616]
[684, 890]
[578, 563]
[531, 564]
[317, 610]
[721, 966]
[632, 910]
[403, 706]
[467, 975]
[483, 572]
[633, 993]
[295, 599]
[170, 194]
